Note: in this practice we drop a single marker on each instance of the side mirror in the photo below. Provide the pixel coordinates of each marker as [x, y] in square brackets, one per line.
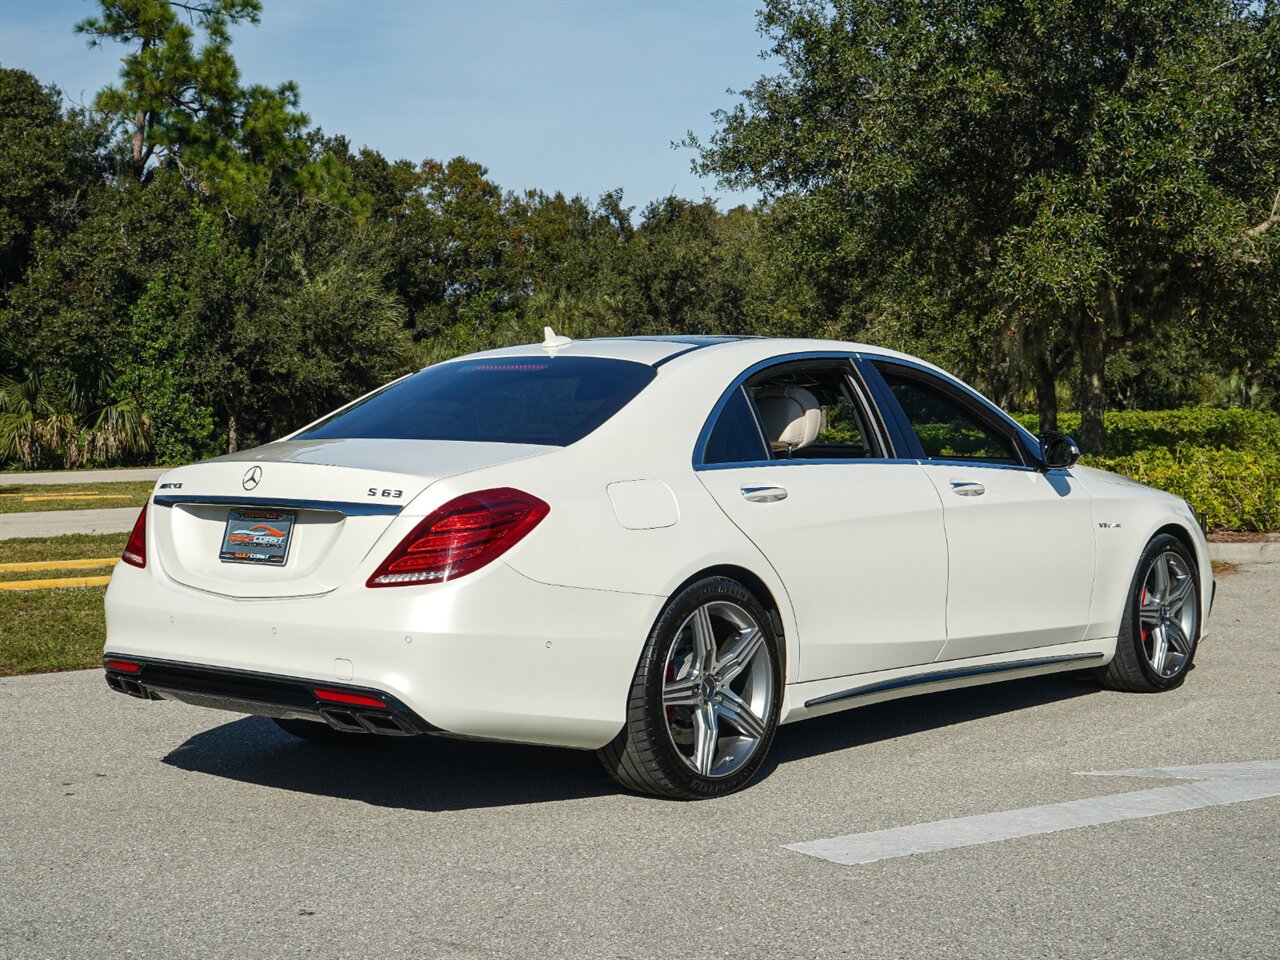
[1058, 451]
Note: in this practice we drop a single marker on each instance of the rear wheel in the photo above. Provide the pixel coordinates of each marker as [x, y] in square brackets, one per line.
[706, 696]
[319, 732]
[1161, 625]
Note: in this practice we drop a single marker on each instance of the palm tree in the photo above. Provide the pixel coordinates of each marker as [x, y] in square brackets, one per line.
[49, 419]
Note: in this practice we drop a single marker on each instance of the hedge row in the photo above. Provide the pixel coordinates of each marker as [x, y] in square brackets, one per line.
[1225, 463]
[1234, 489]
[1129, 431]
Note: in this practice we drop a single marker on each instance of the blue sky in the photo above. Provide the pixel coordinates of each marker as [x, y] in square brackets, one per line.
[578, 96]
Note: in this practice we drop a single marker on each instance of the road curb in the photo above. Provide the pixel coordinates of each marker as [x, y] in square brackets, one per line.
[1267, 552]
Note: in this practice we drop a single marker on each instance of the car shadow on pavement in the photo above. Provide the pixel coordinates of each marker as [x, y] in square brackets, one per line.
[898, 718]
[438, 774]
[410, 773]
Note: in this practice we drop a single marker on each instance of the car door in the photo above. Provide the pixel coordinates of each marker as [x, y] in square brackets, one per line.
[855, 534]
[1020, 540]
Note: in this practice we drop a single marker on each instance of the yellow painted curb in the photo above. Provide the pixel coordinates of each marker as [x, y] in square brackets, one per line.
[53, 584]
[58, 565]
[38, 498]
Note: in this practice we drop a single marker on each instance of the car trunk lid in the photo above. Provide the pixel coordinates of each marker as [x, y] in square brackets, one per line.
[306, 513]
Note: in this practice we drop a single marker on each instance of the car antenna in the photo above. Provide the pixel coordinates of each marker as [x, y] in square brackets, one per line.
[552, 339]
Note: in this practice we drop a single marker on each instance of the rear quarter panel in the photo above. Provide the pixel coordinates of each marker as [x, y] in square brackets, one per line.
[583, 543]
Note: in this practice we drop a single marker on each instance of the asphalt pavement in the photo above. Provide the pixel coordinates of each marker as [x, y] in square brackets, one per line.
[53, 523]
[132, 829]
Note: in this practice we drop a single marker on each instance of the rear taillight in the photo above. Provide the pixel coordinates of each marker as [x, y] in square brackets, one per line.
[461, 537]
[135, 551]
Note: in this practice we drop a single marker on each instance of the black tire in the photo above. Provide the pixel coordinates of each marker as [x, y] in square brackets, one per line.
[321, 732]
[1131, 669]
[643, 757]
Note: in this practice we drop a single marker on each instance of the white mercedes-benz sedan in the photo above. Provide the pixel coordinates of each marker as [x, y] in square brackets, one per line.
[658, 548]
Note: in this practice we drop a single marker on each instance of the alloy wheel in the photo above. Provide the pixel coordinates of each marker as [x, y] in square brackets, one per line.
[718, 689]
[1167, 613]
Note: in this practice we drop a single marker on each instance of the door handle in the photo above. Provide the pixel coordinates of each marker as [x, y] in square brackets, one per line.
[967, 488]
[764, 494]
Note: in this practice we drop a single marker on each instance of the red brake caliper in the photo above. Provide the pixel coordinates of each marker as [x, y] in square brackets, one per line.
[1142, 626]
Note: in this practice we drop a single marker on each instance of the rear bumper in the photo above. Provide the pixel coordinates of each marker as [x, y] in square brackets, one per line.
[262, 694]
[492, 656]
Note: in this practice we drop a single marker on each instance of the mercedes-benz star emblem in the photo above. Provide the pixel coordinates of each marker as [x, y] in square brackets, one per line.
[252, 477]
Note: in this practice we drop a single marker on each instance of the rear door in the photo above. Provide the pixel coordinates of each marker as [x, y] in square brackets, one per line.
[1020, 541]
[855, 535]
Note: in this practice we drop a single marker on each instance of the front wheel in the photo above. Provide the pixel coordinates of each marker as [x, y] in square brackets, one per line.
[706, 696]
[1161, 623]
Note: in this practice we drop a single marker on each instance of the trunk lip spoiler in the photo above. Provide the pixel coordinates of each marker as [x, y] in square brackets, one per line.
[345, 507]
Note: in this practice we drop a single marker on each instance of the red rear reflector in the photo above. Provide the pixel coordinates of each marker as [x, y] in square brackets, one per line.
[122, 666]
[353, 699]
[461, 537]
[135, 551]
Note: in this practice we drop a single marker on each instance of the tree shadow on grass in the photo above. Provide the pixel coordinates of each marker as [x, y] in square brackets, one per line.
[436, 773]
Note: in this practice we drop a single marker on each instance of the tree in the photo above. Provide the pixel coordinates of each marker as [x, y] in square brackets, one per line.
[1062, 178]
[48, 163]
[186, 107]
[52, 420]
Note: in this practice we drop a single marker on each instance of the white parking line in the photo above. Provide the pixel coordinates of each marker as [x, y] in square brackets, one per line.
[1217, 783]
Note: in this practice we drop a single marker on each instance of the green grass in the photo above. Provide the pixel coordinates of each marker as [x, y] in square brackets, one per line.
[72, 546]
[27, 497]
[46, 630]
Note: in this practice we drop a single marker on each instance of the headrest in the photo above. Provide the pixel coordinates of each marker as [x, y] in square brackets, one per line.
[791, 415]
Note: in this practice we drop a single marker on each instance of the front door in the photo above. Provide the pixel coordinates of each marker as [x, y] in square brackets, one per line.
[1020, 541]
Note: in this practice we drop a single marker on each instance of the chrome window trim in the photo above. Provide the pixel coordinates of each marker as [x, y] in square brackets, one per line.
[814, 462]
[345, 507]
[984, 464]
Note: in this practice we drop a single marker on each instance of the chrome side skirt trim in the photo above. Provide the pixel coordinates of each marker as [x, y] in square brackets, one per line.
[346, 508]
[920, 679]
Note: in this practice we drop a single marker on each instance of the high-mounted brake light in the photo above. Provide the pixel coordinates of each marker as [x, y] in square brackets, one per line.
[461, 537]
[135, 551]
[351, 699]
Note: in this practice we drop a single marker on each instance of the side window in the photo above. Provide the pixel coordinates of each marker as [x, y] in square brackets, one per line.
[735, 438]
[946, 427]
[809, 411]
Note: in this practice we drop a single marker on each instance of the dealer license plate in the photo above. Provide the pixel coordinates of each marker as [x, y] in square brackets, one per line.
[257, 536]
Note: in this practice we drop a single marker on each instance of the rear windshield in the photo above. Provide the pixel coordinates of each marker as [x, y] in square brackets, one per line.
[543, 400]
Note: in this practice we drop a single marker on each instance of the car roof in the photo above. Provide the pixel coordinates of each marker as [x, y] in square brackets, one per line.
[658, 350]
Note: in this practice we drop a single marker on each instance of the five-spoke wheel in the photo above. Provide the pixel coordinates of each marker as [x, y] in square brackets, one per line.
[1167, 613]
[706, 696]
[1161, 624]
[718, 692]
